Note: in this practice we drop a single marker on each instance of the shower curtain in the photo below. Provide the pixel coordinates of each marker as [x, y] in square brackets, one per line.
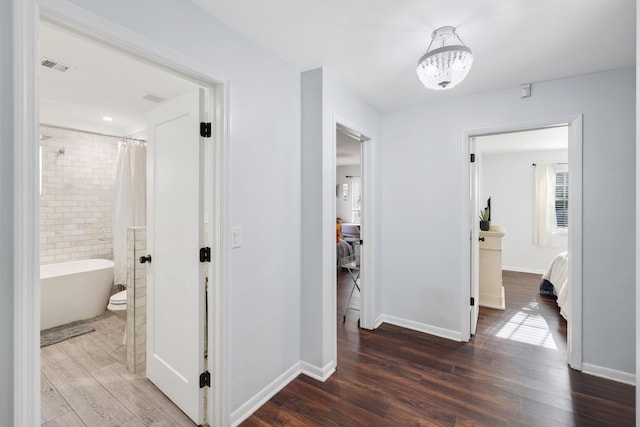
[130, 201]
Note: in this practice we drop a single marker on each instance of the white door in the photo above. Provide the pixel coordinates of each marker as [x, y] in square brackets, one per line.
[474, 231]
[175, 283]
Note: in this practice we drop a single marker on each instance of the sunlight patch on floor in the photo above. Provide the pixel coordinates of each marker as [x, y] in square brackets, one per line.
[529, 327]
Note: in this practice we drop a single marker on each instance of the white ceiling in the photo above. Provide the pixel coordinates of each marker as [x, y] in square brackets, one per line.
[371, 45]
[101, 82]
[347, 149]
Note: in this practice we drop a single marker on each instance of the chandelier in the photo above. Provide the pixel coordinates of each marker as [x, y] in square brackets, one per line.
[446, 66]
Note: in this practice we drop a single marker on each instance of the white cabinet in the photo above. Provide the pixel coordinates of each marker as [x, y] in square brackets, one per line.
[490, 265]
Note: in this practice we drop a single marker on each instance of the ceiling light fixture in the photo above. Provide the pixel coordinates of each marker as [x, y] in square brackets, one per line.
[446, 66]
[107, 119]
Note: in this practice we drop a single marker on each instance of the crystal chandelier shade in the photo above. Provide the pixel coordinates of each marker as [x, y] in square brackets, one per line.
[444, 67]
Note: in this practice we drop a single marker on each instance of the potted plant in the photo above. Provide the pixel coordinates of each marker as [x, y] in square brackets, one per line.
[485, 224]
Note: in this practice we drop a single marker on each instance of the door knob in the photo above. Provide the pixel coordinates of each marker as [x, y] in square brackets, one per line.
[479, 238]
[144, 259]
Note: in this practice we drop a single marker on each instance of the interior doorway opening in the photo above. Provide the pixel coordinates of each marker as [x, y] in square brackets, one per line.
[69, 16]
[349, 213]
[570, 174]
[522, 190]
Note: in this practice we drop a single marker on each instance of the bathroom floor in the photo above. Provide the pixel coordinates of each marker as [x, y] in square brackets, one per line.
[84, 382]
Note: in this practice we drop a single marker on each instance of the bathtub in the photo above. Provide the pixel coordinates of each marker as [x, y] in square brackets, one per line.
[74, 290]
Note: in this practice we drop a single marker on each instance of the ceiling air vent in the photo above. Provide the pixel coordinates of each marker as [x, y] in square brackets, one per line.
[153, 98]
[53, 64]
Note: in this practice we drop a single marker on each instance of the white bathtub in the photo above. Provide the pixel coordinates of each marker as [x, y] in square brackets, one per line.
[74, 290]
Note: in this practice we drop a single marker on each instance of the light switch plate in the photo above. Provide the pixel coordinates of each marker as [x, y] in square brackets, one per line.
[236, 237]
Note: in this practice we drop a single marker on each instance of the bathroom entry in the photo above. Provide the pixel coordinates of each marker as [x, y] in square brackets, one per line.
[176, 325]
[175, 235]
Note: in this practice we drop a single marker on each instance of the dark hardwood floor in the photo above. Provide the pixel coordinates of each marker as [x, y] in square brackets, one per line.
[512, 373]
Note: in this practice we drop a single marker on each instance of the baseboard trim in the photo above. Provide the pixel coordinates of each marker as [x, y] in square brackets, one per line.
[608, 373]
[317, 373]
[422, 327]
[263, 396]
[379, 321]
[524, 270]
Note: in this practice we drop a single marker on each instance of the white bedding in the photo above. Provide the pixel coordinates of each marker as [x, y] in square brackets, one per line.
[557, 275]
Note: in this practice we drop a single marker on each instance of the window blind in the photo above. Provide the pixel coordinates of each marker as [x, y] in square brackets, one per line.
[562, 199]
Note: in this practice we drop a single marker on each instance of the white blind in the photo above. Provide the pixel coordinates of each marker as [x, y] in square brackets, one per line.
[562, 199]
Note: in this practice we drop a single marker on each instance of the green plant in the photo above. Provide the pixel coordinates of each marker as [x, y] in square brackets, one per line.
[484, 214]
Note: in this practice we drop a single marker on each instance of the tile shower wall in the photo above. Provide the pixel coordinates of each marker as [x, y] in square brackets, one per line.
[76, 202]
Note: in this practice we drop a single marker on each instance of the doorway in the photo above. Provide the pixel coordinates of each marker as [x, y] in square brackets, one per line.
[574, 237]
[349, 218]
[69, 16]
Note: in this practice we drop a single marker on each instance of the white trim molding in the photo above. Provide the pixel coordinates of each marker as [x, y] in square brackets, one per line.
[26, 240]
[26, 303]
[574, 323]
[263, 396]
[608, 373]
[253, 404]
[317, 373]
[368, 220]
[422, 327]
[379, 321]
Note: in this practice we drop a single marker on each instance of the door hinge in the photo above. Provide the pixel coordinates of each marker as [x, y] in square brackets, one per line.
[205, 130]
[205, 254]
[473, 158]
[473, 301]
[205, 379]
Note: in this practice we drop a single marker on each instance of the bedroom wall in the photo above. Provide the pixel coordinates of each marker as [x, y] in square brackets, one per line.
[6, 215]
[426, 144]
[343, 207]
[265, 175]
[509, 179]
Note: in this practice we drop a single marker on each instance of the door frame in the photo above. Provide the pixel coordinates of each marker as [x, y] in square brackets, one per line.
[26, 355]
[367, 294]
[474, 252]
[574, 323]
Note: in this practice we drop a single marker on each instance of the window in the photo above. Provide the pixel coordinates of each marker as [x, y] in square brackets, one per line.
[355, 200]
[562, 199]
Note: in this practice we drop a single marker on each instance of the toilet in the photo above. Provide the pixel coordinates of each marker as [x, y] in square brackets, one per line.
[118, 302]
[118, 305]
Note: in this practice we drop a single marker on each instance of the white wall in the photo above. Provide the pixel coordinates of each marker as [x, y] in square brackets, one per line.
[6, 215]
[508, 178]
[265, 183]
[637, 236]
[343, 207]
[325, 101]
[425, 167]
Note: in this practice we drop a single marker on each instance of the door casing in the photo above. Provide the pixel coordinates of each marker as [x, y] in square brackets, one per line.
[574, 323]
[27, 14]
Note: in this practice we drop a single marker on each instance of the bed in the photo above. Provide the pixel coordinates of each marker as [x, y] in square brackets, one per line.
[554, 282]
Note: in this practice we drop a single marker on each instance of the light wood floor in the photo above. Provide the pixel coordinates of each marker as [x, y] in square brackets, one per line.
[84, 382]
